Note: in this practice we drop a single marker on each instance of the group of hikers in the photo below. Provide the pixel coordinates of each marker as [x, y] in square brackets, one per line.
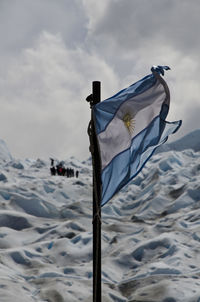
[60, 169]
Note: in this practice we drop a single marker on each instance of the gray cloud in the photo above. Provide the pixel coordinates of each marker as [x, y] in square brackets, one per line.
[53, 50]
[22, 21]
[131, 25]
[43, 95]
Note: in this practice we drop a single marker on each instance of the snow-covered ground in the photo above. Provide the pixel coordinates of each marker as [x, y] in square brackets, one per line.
[150, 232]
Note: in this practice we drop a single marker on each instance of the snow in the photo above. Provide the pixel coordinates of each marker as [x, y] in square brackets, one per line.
[4, 152]
[150, 231]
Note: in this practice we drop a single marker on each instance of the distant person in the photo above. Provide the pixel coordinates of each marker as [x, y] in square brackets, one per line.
[53, 170]
[70, 172]
[63, 171]
[77, 173]
[52, 162]
[59, 169]
[67, 172]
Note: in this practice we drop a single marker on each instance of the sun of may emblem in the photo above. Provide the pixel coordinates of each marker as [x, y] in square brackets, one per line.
[129, 122]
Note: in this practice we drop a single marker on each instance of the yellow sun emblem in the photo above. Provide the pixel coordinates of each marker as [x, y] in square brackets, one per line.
[129, 122]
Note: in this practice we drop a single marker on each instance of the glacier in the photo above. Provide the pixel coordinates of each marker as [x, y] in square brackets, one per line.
[150, 230]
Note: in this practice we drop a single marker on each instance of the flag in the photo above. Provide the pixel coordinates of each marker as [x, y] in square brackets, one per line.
[129, 127]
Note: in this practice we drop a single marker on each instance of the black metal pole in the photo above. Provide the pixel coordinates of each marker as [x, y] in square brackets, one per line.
[93, 99]
[96, 95]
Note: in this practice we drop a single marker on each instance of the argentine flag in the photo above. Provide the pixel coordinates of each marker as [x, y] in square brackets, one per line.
[129, 127]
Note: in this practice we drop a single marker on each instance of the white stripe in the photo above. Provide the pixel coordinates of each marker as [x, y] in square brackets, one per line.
[144, 108]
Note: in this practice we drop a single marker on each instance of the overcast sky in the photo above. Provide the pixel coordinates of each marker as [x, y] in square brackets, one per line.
[52, 50]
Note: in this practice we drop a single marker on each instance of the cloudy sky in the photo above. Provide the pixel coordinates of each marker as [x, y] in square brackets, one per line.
[52, 50]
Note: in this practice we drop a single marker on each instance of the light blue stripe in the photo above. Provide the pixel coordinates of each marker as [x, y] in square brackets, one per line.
[129, 163]
[105, 111]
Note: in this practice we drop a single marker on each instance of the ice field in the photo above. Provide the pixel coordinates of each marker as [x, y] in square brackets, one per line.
[150, 231]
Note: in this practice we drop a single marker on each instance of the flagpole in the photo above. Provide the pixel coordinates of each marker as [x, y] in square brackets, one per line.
[94, 99]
